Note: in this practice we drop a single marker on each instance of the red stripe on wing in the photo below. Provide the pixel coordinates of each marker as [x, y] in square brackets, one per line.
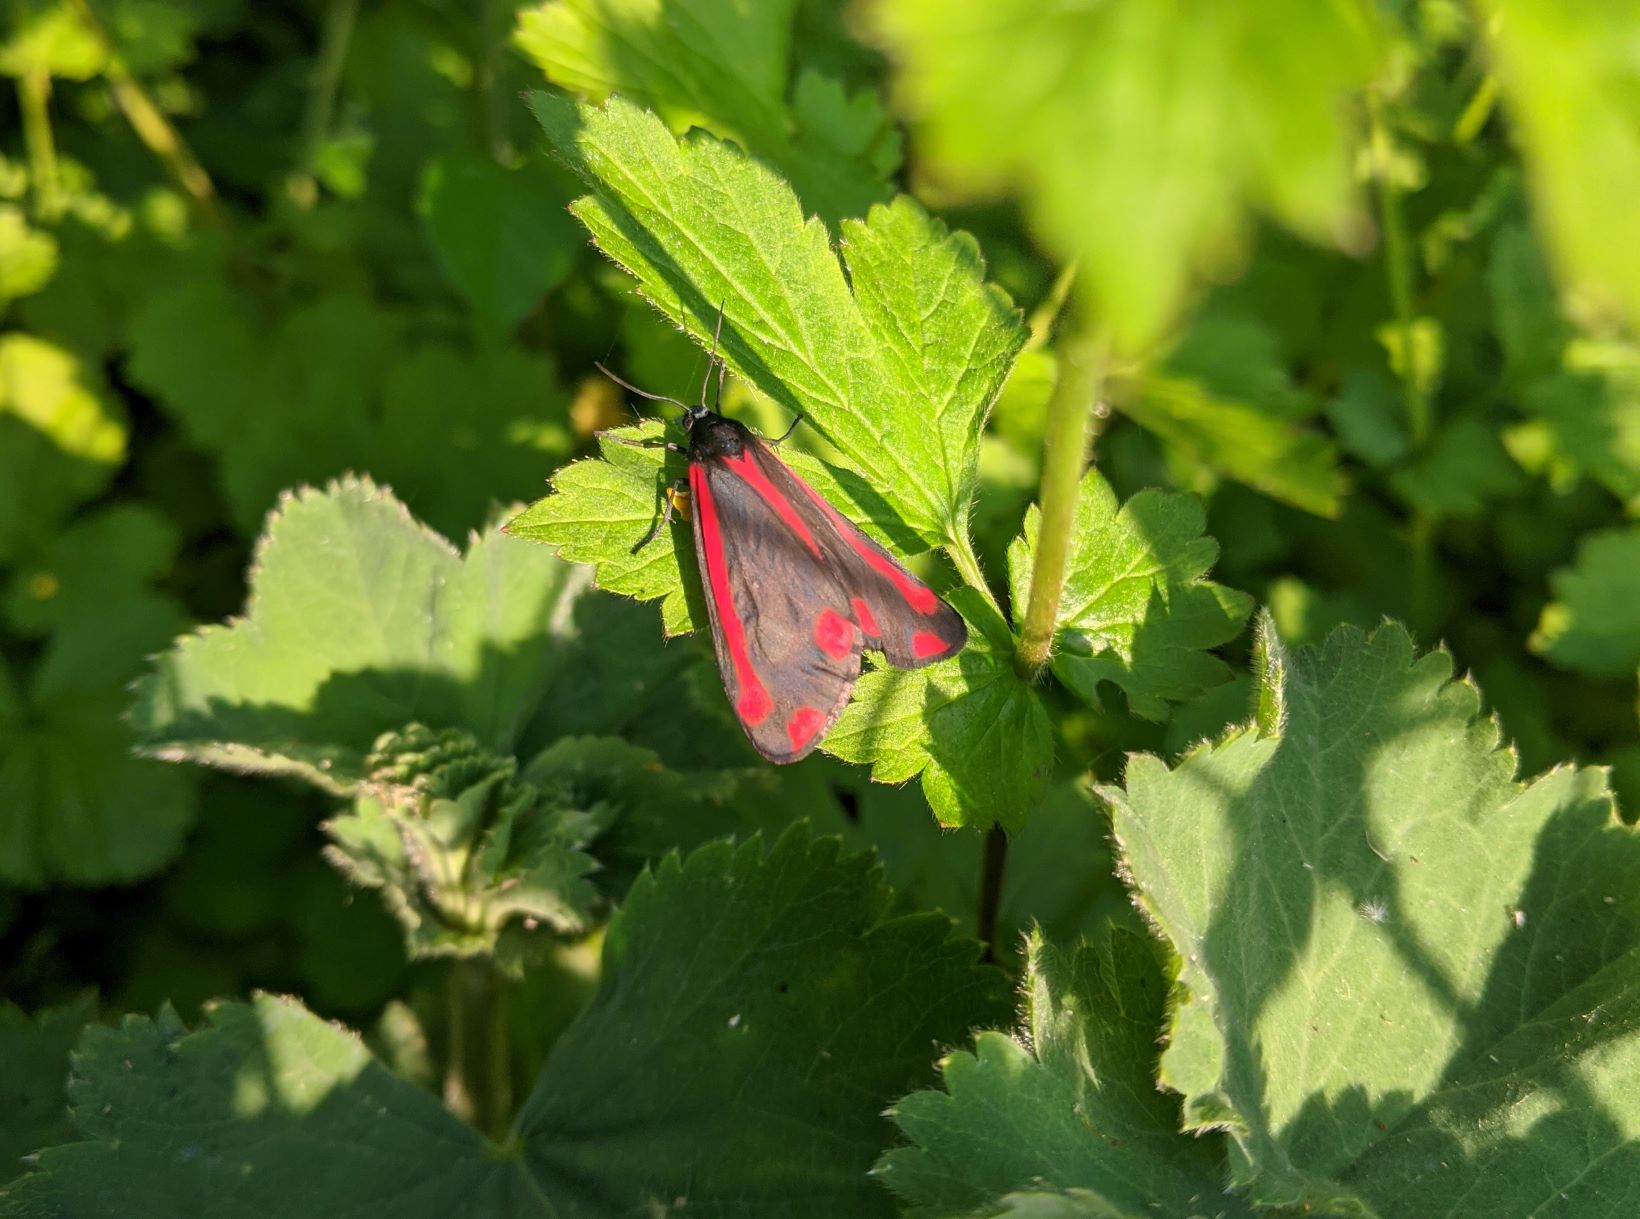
[747, 468]
[753, 703]
[917, 594]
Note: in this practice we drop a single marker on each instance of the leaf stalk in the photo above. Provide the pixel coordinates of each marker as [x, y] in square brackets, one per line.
[34, 100]
[155, 131]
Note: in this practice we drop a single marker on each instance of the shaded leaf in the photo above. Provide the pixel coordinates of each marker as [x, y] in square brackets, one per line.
[500, 234]
[267, 1110]
[737, 986]
[1593, 625]
[34, 1079]
[1373, 917]
[360, 621]
[1068, 1104]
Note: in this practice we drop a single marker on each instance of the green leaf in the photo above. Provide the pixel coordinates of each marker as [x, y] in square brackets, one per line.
[75, 806]
[360, 621]
[1068, 1104]
[1590, 411]
[1593, 624]
[735, 987]
[601, 509]
[1569, 86]
[462, 851]
[267, 1110]
[1369, 415]
[28, 256]
[1464, 469]
[724, 68]
[87, 574]
[34, 1079]
[1244, 440]
[500, 234]
[450, 463]
[1143, 132]
[895, 362]
[1526, 313]
[61, 437]
[1373, 916]
[49, 37]
[1136, 608]
[643, 808]
[970, 726]
[335, 385]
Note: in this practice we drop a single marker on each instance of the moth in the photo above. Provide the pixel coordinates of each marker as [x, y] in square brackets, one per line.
[794, 590]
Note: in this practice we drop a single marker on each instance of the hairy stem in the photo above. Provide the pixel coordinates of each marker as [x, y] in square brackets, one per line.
[34, 100]
[1082, 357]
[477, 1081]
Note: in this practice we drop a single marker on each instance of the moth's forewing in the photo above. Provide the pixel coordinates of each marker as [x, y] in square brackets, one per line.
[795, 591]
[898, 614]
[787, 648]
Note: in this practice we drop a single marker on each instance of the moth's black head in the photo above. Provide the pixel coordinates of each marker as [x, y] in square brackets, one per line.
[712, 435]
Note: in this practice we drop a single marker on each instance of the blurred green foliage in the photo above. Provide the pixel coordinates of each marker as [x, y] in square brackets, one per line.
[1367, 275]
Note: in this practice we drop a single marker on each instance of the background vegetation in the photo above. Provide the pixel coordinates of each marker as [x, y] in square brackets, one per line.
[299, 306]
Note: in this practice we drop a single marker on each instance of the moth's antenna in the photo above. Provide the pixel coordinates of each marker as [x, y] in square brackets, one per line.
[642, 393]
[706, 383]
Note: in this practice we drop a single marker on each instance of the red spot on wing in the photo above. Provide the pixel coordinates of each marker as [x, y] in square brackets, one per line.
[753, 704]
[926, 643]
[834, 633]
[747, 468]
[803, 725]
[917, 594]
[862, 615]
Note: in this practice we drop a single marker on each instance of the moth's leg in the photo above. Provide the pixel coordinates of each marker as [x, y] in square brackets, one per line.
[669, 505]
[788, 431]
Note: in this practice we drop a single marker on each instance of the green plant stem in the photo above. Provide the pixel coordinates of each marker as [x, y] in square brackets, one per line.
[340, 19]
[152, 127]
[1398, 267]
[990, 887]
[1082, 357]
[34, 100]
[477, 1078]
[1478, 110]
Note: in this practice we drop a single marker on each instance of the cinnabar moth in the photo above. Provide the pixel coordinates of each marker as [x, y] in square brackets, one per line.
[794, 590]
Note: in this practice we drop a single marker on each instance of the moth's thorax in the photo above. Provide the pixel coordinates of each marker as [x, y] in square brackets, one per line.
[711, 435]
